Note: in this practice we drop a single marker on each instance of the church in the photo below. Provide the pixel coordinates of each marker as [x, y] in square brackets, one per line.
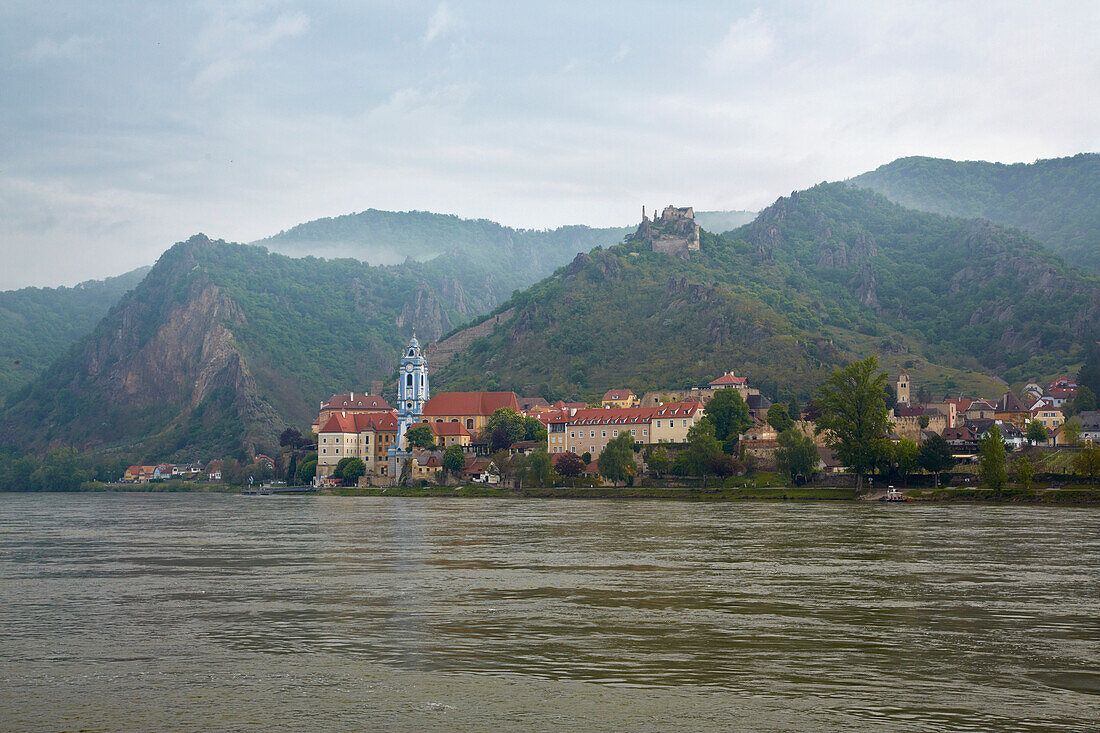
[412, 393]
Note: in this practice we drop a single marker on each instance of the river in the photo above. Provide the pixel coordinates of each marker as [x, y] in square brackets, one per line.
[218, 612]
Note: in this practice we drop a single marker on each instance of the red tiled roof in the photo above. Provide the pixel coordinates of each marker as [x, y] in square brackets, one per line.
[618, 395]
[728, 378]
[448, 429]
[680, 409]
[961, 403]
[355, 401]
[469, 403]
[360, 422]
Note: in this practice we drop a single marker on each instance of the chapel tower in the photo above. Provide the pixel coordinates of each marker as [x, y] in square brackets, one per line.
[412, 393]
[903, 387]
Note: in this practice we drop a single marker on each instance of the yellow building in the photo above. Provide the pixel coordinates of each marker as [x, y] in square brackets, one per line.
[469, 409]
[619, 398]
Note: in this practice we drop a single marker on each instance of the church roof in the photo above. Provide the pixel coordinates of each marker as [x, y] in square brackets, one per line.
[448, 429]
[355, 401]
[469, 403]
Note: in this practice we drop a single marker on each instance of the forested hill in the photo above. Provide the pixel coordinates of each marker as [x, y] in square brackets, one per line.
[826, 274]
[391, 237]
[1057, 201]
[223, 345]
[37, 325]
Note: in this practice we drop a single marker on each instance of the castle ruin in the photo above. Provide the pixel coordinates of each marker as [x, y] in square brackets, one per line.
[674, 232]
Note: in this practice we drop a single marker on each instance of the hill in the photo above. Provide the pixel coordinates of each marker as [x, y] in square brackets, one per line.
[37, 325]
[392, 237]
[1056, 201]
[818, 277]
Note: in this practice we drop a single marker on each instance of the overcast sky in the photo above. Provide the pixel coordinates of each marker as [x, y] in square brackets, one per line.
[127, 126]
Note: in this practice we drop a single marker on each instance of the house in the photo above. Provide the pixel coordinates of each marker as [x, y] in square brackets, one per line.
[828, 462]
[1011, 410]
[425, 466]
[1046, 412]
[533, 404]
[162, 472]
[138, 474]
[364, 435]
[1033, 391]
[760, 441]
[980, 410]
[758, 406]
[450, 433]
[352, 403]
[213, 470]
[621, 398]
[1090, 427]
[265, 460]
[948, 409]
[728, 380]
[671, 421]
[469, 409]
[524, 447]
[963, 441]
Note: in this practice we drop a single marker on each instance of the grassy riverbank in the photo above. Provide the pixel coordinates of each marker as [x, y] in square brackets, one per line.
[681, 493]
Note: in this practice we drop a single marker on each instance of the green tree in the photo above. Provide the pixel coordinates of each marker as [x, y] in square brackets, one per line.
[853, 416]
[935, 456]
[1024, 470]
[533, 429]
[307, 471]
[1087, 462]
[778, 418]
[338, 472]
[656, 457]
[797, 455]
[616, 461]
[420, 436]
[1036, 432]
[923, 420]
[513, 424]
[728, 415]
[570, 466]
[906, 458]
[353, 470]
[702, 445]
[454, 460]
[1089, 374]
[586, 457]
[1071, 431]
[1083, 401]
[793, 410]
[991, 464]
[537, 468]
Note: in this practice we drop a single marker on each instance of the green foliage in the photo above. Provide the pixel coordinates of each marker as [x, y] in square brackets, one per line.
[37, 325]
[1087, 463]
[991, 463]
[537, 470]
[616, 461]
[797, 455]
[338, 472]
[454, 460]
[1071, 431]
[935, 456]
[570, 465]
[906, 457]
[352, 470]
[420, 436]
[1037, 432]
[656, 458]
[307, 471]
[1024, 470]
[1083, 401]
[1089, 374]
[729, 415]
[1053, 200]
[853, 414]
[703, 446]
[778, 417]
[510, 423]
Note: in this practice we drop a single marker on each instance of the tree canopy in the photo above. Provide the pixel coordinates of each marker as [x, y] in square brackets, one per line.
[420, 436]
[991, 463]
[853, 416]
[797, 455]
[728, 415]
[616, 461]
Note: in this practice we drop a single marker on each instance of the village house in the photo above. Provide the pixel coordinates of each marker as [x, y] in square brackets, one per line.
[620, 398]
[701, 394]
[1046, 412]
[364, 435]
[1090, 427]
[450, 433]
[1011, 410]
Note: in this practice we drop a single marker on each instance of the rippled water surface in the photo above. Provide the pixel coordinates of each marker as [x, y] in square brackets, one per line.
[189, 612]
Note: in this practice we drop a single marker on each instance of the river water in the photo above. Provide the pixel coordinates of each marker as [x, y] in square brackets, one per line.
[216, 612]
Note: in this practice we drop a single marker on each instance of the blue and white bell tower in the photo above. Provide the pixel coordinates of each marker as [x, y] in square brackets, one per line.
[412, 393]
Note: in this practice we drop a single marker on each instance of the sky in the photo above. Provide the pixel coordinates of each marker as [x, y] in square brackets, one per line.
[128, 126]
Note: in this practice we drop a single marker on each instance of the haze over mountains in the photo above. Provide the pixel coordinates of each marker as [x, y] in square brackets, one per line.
[222, 345]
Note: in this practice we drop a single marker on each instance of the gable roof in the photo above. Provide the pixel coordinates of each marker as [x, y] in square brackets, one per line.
[360, 422]
[448, 429]
[469, 403]
[618, 395]
[1011, 403]
[727, 380]
[355, 401]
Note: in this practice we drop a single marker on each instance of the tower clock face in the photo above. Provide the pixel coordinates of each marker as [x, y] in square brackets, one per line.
[408, 367]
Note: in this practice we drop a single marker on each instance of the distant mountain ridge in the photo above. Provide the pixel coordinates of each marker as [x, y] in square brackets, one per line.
[1056, 201]
[818, 277]
[37, 325]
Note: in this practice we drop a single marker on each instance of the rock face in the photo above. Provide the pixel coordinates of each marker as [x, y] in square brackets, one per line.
[674, 232]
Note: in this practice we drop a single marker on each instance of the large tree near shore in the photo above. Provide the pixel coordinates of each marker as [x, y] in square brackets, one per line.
[853, 416]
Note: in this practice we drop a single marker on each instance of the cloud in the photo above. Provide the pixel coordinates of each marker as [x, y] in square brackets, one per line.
[624, 50]
[47, 49]
[442, 23]
[748, 41]
[233, 37]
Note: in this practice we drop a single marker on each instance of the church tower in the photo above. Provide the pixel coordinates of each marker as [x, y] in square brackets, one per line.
[412, 393]
[903, 387]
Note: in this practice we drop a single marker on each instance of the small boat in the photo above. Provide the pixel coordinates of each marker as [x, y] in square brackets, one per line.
[893, 494]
